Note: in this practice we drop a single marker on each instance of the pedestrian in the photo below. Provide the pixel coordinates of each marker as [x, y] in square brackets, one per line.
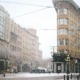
[3, 74]
[49, 72]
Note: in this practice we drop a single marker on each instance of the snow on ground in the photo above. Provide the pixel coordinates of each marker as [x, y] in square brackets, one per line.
[39, 74]
[27, 75]
[10, 75]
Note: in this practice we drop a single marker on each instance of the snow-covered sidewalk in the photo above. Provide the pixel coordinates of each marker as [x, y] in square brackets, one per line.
[35, 76]
[31, 74]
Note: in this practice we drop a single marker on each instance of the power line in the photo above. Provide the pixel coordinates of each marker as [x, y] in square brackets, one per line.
[45, 29]
[49, 29]
[26, 4]
[29, 13]
[39, 28]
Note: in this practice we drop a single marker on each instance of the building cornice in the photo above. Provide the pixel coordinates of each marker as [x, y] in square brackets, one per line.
[70, 1]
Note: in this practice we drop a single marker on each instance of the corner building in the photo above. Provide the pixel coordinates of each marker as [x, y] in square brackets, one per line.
[68, 27]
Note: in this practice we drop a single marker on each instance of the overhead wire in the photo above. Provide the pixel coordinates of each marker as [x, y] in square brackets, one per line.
[29, 13]
[49, 29]
[45, 29]
[39, 28]
[45, 7]
[26, 4]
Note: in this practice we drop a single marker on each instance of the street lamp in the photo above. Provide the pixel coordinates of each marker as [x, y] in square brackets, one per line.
[31, 66]
[52, 61]
[68, 60]
[76, 66]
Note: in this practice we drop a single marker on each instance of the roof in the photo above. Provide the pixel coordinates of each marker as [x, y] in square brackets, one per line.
[70, 1]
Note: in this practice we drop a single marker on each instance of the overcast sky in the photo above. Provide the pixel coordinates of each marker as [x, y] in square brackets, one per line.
[40, 19]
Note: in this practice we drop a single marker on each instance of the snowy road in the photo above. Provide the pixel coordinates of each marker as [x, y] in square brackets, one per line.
[33, 76]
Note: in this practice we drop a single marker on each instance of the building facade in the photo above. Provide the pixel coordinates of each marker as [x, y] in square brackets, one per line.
[68, 27]
[18, 46]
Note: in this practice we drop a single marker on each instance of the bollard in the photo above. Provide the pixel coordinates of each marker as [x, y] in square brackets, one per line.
[3, 74]
[67, 77]
[64, 77]
[77, 77]
[71, 76]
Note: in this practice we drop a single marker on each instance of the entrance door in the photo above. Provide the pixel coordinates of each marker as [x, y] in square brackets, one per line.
[58, 68]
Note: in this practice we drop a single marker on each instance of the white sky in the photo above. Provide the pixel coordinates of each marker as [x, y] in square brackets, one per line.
[44, 19]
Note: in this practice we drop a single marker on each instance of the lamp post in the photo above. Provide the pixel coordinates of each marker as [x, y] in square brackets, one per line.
[79, 68]
[31, 66]
[76, 66]
[52, 62]
[52, 53]
[68, 60]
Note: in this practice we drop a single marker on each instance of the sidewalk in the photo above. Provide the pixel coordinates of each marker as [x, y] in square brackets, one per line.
[33, 76]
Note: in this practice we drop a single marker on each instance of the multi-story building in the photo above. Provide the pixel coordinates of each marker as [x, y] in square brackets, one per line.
[30, 47]
[68, 26]
[19, 46]
[4, 19]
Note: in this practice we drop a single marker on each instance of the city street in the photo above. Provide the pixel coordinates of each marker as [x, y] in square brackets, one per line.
[34, 76]
[40, 40]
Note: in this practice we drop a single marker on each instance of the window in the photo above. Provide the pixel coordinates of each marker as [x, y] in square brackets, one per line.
[66, 42]
[63, 21]
[2, 29]
[62, 42]
[62, 31]
[62, 11]
[1, 35]
[1, 21]
[4, 15]
[65, 11]
[13, 37]
[1, 13]
[12, 48]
